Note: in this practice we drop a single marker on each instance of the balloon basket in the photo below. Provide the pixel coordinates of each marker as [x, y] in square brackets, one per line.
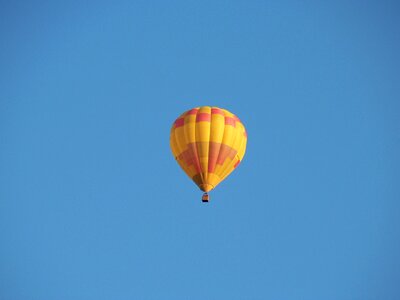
[205, 198]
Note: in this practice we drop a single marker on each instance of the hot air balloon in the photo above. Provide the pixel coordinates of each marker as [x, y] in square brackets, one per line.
[208, 143]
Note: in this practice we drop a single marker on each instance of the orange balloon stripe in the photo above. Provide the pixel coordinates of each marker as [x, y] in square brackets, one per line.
[213, 156]
[230, 121]
[203, 117]
[237, 163]
[192, 111]
[217, 111]
[190, 157]
[179, 122]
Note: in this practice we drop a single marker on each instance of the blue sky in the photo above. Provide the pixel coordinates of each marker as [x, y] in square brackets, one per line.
[92, 203]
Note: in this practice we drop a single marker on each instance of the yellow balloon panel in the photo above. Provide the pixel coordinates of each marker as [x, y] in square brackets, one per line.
[208, 143]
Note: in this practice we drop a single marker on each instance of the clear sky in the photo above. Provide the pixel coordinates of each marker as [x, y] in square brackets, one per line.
[93, 204]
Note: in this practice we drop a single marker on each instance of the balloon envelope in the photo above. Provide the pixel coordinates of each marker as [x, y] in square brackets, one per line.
[208, 143]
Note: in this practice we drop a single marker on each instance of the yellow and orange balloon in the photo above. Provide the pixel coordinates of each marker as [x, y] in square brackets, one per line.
[208, 143]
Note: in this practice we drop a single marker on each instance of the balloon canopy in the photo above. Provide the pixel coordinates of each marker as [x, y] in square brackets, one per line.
[208, 143]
